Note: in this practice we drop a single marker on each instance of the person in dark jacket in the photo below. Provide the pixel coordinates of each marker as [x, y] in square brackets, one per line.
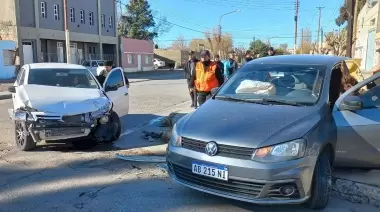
[248, 56]
[271, 51]
[219, 63]
[189, 67]
[108, 66]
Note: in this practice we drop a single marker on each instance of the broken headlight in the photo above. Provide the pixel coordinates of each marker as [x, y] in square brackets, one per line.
[20, 115]
[102, 110]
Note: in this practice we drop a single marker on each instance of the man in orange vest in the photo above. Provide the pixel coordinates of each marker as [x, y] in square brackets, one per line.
[206, 76]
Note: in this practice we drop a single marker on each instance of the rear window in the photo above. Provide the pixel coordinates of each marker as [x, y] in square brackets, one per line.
[77, 78]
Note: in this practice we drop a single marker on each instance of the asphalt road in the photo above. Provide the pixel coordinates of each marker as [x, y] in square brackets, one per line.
[58, 178]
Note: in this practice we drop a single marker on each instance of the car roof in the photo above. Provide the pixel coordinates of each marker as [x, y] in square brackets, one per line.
[306, 59]
[55, 65]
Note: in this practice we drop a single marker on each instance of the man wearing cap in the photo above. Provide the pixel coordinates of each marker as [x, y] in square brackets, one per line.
[189, 69]
[230, 66]
[108, 66]
[271, 51]
[206, 76]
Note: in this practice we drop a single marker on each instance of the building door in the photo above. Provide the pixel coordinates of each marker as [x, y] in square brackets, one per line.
[60, 56]
[139, 63]
[370, 50]
[73, 53]
[27, 48]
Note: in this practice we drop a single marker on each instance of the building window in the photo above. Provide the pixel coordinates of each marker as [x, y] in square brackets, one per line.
[43, 9]
[91, 18]
[82, 18]
[91, 50]
[110, 22]
[8, 57]
[103, 21]
[56, 12]
[72, 15]
[147, 59]
[130, 58]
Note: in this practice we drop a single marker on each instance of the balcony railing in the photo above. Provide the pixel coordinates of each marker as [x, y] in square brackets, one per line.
[75, 58]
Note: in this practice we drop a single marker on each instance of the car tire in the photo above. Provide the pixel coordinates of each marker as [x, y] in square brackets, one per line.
[24, 140]
[85, 143]
[321, 185]
[115, 119]
[156, 67]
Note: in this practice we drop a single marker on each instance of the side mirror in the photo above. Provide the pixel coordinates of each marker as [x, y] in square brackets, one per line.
[351, 103]
[12, 89]
[110, 88]
[214, 90]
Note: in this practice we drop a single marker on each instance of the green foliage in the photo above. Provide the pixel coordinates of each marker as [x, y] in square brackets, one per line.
[138, 23]
[259, 47]
[343, 12]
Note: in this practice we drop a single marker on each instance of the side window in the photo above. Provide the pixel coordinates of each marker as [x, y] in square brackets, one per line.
[20, 76]
[369, 94]
[22, 80]
[115, 80]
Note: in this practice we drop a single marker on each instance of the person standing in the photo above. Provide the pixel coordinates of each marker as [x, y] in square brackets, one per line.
[248, 56]
[189, 69]
[108, 66]
[206, 76]
[230, 66]
[271, 51]
[220, 64]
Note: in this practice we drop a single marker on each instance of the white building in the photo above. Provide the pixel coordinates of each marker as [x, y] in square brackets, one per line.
[365, 46]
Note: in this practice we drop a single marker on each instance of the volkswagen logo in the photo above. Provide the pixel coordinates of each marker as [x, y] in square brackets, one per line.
[211, 148]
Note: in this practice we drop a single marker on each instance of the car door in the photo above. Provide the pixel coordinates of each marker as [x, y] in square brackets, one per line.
[116, 89]
[357, 117]
[17, 102]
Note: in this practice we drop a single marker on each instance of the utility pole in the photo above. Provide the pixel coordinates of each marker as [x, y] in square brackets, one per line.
[319, 28]
[350, 26]
[67, 33]
[296, 27]
[302, 41]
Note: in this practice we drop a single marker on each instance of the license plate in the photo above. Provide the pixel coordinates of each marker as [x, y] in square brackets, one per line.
[210, 170]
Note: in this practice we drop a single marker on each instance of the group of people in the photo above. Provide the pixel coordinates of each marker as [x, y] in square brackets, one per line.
[203, 75]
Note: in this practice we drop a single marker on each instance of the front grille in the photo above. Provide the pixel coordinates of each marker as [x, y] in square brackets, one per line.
[237, 187]
[74, 118]
[63, 132]
[224, 150]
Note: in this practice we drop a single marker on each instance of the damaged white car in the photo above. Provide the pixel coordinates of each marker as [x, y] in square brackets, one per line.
[59, 103]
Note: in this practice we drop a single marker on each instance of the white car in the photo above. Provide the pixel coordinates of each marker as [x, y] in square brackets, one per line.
[157, 63]
[95, 66]
[58, 102]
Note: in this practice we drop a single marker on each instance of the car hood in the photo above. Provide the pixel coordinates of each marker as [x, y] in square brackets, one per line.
[61, 100]
[247, 124]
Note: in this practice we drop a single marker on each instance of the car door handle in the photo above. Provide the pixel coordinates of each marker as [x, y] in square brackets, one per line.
[125, 94]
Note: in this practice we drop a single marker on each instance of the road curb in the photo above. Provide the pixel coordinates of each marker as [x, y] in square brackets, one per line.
[356, 192]
[5, 96]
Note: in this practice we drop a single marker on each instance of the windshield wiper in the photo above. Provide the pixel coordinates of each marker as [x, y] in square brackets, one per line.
[282, 102]
[228, 98]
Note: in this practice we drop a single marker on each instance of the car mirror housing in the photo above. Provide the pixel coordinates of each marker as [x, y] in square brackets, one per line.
[351, 103]
[214, 90]
[12, 89]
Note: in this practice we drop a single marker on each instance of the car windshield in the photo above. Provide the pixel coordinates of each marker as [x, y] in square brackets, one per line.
[77, 78]
[280, 83]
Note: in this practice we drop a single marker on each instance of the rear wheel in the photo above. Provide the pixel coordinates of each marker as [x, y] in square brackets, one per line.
[24, 140]
[321, 185]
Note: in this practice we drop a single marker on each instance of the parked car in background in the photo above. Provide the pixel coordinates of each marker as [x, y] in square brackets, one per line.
[58, 102]
[272, 133]
[157, 63]
[95, 66]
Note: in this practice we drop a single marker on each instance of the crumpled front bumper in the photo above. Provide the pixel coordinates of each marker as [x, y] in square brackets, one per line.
[54, 127]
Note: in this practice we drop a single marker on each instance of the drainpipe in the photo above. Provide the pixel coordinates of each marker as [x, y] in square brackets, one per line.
[67, 33]
[37, 22]
[100, 29]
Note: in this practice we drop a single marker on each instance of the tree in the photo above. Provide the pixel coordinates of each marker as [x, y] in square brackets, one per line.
[224, 46]
[259, 47]
[344, 14]
[138, 22]
[284, 46]
[180, 43]
[337, 42]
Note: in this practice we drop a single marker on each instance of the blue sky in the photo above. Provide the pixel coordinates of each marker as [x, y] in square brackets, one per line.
[260, 18]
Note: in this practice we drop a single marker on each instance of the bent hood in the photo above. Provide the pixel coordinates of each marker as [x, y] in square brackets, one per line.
[61, 100]
[247, 124]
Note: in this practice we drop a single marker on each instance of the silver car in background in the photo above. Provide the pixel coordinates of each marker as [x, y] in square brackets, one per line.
[273, 131]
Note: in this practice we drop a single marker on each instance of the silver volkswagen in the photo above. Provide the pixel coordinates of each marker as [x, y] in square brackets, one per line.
[273, 131]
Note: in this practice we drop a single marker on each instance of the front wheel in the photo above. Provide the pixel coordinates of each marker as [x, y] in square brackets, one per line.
[24, 140]
[321, 185]
[115, 120]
